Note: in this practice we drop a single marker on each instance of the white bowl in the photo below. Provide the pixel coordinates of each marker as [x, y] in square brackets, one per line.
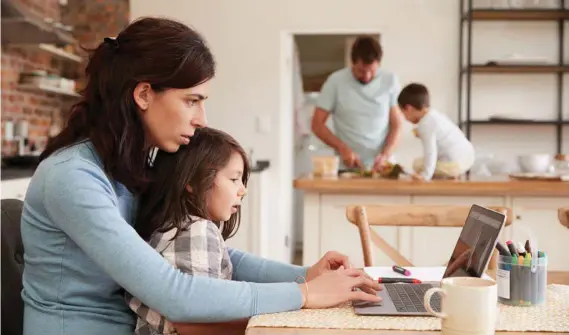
[536, 163]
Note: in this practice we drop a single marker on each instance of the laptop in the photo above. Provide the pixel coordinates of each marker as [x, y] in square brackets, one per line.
[476, 243]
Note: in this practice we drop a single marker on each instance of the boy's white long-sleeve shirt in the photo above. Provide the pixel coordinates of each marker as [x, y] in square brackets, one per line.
[442, 141]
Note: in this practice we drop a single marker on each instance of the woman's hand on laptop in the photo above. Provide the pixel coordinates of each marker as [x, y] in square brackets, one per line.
[338, 286]
[332, 260]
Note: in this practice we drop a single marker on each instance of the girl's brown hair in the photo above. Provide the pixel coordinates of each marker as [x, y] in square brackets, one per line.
[164, 53]
[167, 204]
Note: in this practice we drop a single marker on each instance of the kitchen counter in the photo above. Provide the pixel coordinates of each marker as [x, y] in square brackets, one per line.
[500, 186]
[534, 206]
[16, 173]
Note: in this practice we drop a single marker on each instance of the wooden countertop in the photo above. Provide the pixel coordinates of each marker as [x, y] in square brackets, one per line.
[501, 186]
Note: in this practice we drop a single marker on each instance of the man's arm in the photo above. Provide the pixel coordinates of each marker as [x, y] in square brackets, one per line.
[395, 120]
[325, 105]
[395, 126]
[323, 133]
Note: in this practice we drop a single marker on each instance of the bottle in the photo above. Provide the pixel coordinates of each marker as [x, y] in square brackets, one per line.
[561, 164]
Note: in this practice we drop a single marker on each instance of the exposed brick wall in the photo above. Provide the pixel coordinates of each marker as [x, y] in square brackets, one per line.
[92, 21]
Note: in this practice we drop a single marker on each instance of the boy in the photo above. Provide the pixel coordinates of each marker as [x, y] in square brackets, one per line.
[446, 151]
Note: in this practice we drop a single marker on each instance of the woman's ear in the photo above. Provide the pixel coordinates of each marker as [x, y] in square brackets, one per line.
[142, 95]
[189, 188]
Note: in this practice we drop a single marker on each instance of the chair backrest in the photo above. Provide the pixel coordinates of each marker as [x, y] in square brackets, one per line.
[12, 267]
[564, 216]
[364, 216]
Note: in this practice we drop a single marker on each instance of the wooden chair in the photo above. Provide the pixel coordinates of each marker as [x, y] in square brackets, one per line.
[564, 216]
[407, 216]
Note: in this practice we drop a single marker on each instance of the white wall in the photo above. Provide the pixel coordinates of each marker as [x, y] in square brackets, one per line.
[420, 40]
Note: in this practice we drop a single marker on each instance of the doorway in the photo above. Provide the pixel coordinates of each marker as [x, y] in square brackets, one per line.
[314, 57]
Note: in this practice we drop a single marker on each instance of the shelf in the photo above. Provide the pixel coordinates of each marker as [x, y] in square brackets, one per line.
[48, 89]
[518, 122]
[521, 69]
[55, 51]
[518, 15]
[23, 26]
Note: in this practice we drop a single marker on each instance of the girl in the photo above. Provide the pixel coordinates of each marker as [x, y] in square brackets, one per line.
[145, 89]
[192, 206]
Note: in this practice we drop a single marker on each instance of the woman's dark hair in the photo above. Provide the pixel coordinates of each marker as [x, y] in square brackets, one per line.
[415, 95]
[164, 53]
[366, 49]
[167, 204]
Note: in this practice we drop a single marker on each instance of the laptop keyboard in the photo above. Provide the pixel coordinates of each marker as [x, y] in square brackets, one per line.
[408, 298]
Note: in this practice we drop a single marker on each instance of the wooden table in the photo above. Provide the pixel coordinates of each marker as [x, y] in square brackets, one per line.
[552, 278]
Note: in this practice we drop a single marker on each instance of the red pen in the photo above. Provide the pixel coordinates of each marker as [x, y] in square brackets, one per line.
[401, 270]
[398, 280]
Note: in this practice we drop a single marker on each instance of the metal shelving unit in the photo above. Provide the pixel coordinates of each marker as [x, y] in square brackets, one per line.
[468, 15]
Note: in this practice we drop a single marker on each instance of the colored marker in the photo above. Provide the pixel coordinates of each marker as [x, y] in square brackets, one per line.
[512, 248]
[502, 249]
[401, 270]
[527, 261]
[398, 280]
[528, 246]
[520, 248]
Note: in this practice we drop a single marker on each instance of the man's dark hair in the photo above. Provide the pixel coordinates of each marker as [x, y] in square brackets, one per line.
[366, 49]
[415, 95]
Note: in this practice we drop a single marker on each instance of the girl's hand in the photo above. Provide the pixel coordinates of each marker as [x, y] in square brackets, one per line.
[332, 260]
[335, 287]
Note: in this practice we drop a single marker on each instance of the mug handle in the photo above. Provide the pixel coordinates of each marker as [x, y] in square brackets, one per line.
[427, 301]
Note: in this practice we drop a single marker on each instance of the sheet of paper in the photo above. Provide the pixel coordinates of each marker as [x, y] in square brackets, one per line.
[434, 273]
[430, 273]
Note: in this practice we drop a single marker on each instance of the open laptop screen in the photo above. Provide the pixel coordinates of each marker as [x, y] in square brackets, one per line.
[476, 243]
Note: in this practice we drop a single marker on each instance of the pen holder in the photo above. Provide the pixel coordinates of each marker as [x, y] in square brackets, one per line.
[521, 282]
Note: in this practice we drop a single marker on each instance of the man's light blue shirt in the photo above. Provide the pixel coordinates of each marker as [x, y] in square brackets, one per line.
[360, 112]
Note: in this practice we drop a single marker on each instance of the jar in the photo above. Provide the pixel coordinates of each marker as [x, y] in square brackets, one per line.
[561, 164]
[325, 166]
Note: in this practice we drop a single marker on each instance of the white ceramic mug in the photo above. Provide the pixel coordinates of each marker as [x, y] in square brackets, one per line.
[469, 305]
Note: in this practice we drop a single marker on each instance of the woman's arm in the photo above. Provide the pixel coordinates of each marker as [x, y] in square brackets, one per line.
[79, 198]
[247, 267]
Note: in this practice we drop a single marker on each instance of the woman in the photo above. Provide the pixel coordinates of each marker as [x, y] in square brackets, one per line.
[145, 89]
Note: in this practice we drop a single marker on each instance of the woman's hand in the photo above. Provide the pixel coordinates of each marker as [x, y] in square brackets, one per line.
[338, 286]
[332, 260]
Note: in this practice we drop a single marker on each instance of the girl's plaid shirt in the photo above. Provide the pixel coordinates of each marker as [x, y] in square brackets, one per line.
[200, 250]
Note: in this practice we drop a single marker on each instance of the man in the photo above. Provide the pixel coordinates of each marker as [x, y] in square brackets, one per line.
[363, 102]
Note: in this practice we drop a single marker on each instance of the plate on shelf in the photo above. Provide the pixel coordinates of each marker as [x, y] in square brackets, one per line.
[539, 176]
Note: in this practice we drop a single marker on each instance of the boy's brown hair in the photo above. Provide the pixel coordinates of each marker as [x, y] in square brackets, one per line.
[167, 204]
[415, 95]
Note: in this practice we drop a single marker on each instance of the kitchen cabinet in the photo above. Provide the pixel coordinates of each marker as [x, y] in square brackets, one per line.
[534, 206]
[421, 240]
[253, 234]
[338, 234]
[537, 218]
[15, 188]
